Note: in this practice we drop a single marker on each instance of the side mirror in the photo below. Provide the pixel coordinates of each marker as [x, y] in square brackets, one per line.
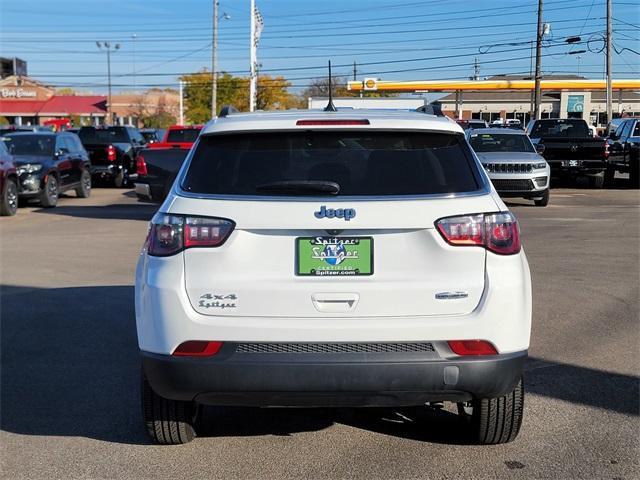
[540, 148]
[613, 136]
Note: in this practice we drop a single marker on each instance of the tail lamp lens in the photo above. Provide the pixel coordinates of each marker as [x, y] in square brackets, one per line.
[472, 347]
[606, 150]
[170, 234]
[111, 153]
[497, 232]
[141, 166]
[197, 348]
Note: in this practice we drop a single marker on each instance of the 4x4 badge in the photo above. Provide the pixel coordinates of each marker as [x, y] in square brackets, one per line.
[346, 213]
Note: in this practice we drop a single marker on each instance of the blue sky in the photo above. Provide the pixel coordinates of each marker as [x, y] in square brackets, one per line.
[402, 40]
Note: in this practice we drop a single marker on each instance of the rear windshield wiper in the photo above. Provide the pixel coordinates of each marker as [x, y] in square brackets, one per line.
[300, 187]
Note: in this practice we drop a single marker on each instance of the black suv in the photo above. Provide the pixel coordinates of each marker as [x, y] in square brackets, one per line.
[113, 152]
[48, 164]
[624, 150]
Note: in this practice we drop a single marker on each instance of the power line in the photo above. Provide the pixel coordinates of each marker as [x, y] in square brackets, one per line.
[180, 38]
[321, 67]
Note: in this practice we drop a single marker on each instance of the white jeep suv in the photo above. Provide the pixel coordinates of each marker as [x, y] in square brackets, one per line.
[351, 258]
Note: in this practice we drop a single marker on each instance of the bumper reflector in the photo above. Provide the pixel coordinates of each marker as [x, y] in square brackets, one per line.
[472, 347]
[197, 348]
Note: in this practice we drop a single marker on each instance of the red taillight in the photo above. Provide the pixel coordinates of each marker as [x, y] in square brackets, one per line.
[197, 348]
[332, 122]
[141, 166]
[497, 232]
[170, 234]
[472, 347]
[111, 153]
[606, 150]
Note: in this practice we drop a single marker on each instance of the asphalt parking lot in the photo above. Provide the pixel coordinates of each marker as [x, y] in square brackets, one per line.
[69, 380]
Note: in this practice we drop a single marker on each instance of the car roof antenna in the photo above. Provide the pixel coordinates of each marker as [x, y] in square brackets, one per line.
[330, 106]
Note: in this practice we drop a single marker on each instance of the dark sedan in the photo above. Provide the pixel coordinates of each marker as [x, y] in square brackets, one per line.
[48, 164]
[8, 182]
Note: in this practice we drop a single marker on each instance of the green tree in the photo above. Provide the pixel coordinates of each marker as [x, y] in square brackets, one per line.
[233, 90]
[65, 91]
[159, 120]
[273, 94]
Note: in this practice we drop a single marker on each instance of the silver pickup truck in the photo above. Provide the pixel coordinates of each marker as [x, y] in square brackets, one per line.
[513, 165]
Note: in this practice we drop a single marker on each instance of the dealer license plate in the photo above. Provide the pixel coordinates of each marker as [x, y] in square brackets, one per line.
[334, 256]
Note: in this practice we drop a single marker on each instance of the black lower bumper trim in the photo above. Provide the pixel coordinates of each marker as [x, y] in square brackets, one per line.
[395, 379]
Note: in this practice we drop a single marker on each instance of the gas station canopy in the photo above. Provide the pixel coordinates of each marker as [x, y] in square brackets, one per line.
[373, 84]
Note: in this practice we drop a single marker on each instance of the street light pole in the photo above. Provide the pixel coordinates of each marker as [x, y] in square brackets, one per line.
[134, 36]
[609, 80]
[214, 67]
[537, 97]
[107, 47]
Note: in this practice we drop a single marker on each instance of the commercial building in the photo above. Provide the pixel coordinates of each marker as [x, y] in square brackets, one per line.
[586, 104]
[507, 96]
[26, 101]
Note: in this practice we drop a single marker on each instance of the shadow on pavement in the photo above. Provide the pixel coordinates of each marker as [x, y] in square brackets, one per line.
[116, 211]
[70, 368]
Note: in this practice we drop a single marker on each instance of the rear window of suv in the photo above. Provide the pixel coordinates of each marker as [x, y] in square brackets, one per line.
[362, 163]
[187, 135]
[103, 136]
[560, 128]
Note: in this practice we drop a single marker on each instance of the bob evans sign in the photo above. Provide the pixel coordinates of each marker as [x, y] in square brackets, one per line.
[17, 93]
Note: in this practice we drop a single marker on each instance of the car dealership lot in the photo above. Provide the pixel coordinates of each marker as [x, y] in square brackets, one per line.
[69, 389]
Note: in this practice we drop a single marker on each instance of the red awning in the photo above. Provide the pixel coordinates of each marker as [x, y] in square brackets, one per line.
[27, 108]
[57, 105]
[74, 105]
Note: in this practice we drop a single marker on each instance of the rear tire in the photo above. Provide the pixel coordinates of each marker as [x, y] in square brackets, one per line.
[544, 201]
[84, 190]
[609, 177]
[121, 180]
[50, 192]
[495, 420]
[596, 181]
[168, 422]
[634, 173]
[9, 203]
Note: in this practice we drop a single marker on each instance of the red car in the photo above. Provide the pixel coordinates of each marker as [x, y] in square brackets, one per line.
[178, 136]
[8, 183]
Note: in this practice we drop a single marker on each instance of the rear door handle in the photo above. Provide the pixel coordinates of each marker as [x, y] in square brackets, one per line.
[335, 302]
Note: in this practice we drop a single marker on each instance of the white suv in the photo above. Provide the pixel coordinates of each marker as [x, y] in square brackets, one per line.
[352, 258]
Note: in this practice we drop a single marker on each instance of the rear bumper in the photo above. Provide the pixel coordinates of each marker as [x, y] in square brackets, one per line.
[105, 170]
[345, 379]
[143, 190]
[523, 193]
[577, 166]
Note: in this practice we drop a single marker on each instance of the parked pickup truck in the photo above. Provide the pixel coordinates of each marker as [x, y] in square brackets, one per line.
[157, 169]
[624, 150]
[113, 151]
[178, 136]
[570, 149]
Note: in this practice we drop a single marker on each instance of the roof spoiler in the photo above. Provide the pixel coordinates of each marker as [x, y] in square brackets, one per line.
[227, 110]
[434, 108]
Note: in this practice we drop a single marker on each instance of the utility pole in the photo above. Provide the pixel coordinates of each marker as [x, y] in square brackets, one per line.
[476, 69]
[253, 60]
[107, 47]
[355, 71]
[609, 80]
[214, 66]
[537, 97]
[181, 102]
